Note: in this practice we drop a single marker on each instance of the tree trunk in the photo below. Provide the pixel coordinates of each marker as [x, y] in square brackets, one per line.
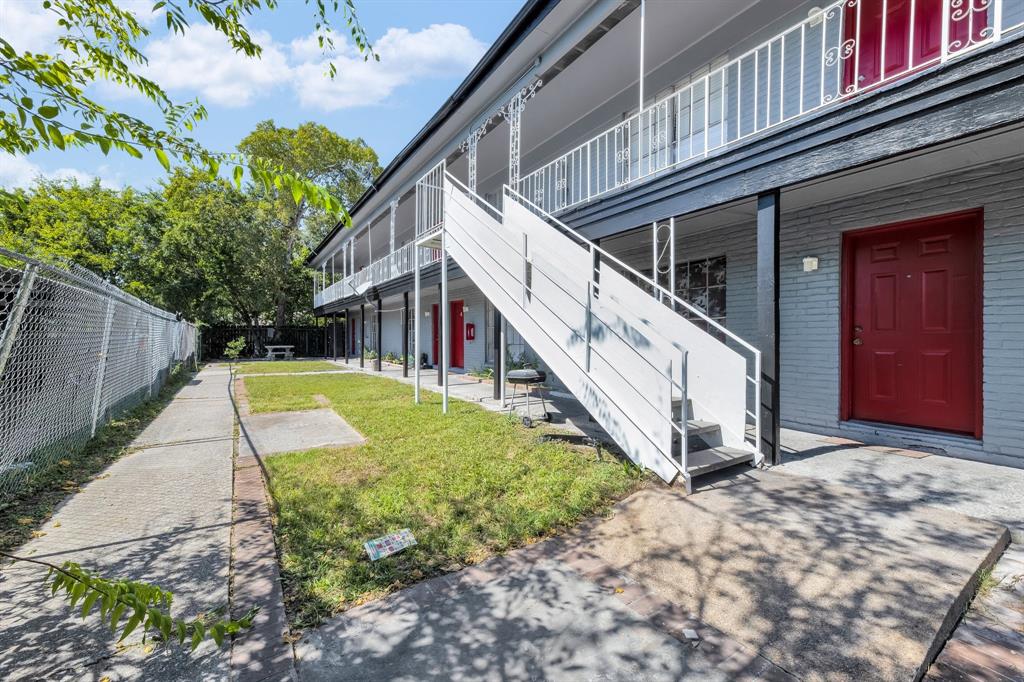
[281, 303]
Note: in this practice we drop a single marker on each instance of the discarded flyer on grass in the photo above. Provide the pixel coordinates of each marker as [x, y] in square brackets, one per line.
[386, 545]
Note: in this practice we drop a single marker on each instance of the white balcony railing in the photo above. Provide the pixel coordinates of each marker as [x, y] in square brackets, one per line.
[848, 47]
[395, 264]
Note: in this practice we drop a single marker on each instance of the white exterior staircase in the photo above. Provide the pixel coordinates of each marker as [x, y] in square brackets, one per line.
[623, 350]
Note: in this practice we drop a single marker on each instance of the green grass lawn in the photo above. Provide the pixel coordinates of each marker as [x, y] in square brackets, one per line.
[470, 484]
[285, 366]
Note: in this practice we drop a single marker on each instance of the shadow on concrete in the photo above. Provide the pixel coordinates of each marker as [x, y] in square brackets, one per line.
[511, 621]
[824, 581]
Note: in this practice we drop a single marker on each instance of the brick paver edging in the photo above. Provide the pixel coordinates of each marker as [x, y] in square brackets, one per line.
[264, 652]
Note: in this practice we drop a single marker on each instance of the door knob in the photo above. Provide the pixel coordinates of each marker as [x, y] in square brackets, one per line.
[858, 342]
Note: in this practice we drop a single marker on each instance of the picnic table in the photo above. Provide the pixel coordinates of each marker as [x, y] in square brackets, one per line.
[284, 352]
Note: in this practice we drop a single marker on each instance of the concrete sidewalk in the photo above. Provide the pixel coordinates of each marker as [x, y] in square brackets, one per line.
[161, 514]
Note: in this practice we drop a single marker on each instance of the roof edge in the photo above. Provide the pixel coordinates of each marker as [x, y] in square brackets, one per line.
[525, 20]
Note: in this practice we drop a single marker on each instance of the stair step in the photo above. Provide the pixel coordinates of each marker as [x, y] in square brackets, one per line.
[695, 427]
[712, 459]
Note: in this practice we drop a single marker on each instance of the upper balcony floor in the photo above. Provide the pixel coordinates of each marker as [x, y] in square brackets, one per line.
[638, 90]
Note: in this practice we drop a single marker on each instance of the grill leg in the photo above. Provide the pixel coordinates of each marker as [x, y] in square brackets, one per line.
[512, 402]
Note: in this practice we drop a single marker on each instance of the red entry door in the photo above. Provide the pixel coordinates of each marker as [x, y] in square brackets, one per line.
[912, 322]
[891, 37]
[458, 334]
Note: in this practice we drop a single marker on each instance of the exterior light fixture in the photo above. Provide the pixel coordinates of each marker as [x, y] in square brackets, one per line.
[810, 263]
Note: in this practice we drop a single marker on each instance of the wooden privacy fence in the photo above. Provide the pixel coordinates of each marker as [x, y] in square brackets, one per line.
[310, 341]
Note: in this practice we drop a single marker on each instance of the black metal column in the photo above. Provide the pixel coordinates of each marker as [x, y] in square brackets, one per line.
[362, 335]
[334, 336]
[347, 334]
[440, 335]
[380, 337]
[768, 226]
[405, 335]
[498, 350]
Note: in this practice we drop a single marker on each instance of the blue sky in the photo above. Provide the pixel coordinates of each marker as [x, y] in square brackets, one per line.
[427, 47]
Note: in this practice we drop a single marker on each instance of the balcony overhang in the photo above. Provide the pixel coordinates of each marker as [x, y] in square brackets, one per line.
[430, 276]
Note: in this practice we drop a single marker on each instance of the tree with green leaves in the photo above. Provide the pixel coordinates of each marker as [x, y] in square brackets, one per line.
[318, 155]
[111, 232]
[216, 260]
[44, 102]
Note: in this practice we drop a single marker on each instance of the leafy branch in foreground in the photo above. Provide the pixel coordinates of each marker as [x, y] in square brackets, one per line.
[126, 605]
[43, 101]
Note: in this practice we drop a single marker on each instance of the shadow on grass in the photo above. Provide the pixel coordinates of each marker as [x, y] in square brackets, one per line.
[40, 496]
[469, 485]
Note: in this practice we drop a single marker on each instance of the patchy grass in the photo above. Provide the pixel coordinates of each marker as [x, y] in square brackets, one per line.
[986, 583]
[284, 366]
[469, 485]
[39, 496]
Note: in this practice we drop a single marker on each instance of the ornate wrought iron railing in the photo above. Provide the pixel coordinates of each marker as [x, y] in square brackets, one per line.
[847, 48]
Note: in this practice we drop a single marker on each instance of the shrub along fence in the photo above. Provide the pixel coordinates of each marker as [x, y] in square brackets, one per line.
[75, 351]
[309, 341]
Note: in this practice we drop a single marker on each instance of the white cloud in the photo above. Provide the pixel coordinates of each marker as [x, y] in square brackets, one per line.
[405, 56]
[203, 61]
[17, 171]
[29, 27]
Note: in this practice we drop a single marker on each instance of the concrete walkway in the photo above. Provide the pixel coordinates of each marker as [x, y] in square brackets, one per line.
[985, 491]
[161, 514]
[566, 412]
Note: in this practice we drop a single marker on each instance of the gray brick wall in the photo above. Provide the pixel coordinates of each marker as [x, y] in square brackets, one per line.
[810, 301]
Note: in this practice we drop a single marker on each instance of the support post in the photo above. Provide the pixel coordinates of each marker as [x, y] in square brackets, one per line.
[28, 278]
[334, 336]
[444, 323]
[362, 335]
[379, 336]
[768, 229]
[643, 26]
[417, 314]
[499, 354]
[502, 360]
[405, 334]
[348, 333]
[101, 370]
[440, 327]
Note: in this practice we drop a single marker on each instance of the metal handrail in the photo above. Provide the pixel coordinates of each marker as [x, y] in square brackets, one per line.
[681, 429]
[826, 44]
[662, 291]
[395, 264]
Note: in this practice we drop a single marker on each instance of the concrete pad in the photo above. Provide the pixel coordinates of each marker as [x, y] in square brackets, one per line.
[274, 432]
[824, 581]
[986, 491]
[539, 621]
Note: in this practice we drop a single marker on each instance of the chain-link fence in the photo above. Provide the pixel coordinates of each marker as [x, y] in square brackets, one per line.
[75, 351]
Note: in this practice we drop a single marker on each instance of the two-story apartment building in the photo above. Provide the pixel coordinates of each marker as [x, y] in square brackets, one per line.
[689, 209]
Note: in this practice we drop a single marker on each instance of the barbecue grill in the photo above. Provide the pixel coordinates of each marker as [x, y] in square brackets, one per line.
[528, 379]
